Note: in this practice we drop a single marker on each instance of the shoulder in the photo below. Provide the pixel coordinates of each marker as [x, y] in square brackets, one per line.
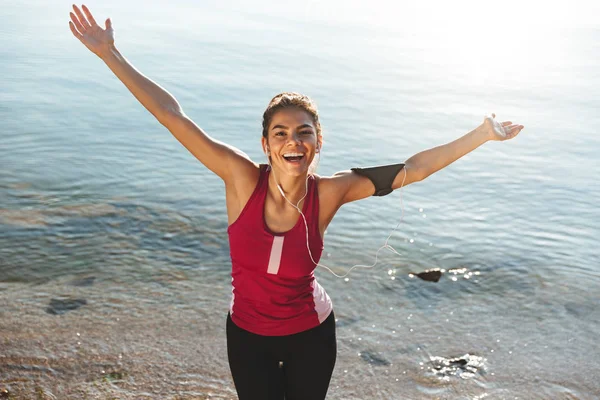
[344, 187]
[243, 182]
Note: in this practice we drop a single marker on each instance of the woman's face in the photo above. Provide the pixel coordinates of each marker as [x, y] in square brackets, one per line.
[292, 141]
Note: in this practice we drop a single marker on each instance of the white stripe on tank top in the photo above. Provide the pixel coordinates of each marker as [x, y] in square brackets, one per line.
[275, 257]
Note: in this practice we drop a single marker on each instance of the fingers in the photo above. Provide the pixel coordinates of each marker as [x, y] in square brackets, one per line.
[490, 116]
[506, 123]
[89, 15]
[76, 22]
[513, 130]
[77, 34]
[108, 24]
[83, 21]
[513, 126]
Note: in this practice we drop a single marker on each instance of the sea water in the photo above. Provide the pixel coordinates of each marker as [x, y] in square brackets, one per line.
[114, 260]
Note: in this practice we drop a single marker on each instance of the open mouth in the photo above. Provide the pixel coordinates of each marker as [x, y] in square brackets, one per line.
[293, 157]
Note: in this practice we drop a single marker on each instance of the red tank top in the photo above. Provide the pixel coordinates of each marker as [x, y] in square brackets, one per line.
[275, 292]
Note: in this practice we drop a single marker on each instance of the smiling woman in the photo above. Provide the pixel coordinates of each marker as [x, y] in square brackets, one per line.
[295, 116]
[280, 326]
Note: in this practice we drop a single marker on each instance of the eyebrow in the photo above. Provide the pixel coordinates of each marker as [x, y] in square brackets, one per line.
[299, 127]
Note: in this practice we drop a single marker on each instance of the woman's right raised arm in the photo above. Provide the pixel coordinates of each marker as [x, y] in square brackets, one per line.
[219, 157]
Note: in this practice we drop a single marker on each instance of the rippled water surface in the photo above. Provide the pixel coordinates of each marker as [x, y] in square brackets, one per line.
[114, 260]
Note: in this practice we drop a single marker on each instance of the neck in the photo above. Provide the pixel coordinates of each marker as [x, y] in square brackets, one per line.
[294, 187]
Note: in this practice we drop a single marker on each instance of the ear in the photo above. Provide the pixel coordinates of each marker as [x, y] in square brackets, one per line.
[264, 145]
[319, 143]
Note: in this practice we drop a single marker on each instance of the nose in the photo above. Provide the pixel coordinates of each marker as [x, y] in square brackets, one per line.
[295, 138]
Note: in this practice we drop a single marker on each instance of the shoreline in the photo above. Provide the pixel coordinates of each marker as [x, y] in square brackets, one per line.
[167, 340]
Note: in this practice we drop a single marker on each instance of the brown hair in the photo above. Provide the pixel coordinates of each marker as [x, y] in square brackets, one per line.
[290, 99]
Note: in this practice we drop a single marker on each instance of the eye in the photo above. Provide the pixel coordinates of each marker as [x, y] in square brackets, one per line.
[306, 133]
[279, 133]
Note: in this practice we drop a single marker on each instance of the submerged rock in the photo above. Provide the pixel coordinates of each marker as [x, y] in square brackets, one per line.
[373, 359]
[83, 282]
[114, 376]
[430, 275]
[465, 367]
[61, 306]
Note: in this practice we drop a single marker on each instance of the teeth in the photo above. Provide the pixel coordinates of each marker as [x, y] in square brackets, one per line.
[293, 155]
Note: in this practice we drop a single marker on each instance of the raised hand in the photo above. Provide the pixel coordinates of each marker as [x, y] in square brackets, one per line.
[85, 28]
[500, 130]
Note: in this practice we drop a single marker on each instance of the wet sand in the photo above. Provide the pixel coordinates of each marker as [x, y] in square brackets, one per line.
[114, 346]
[166, 340]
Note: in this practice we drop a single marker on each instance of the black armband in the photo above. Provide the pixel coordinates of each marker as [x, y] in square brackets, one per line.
[382, 177]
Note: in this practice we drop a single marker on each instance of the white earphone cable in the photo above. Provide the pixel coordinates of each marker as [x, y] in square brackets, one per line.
[385, 245]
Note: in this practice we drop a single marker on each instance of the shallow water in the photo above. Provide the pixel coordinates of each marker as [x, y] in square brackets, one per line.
[108, 221]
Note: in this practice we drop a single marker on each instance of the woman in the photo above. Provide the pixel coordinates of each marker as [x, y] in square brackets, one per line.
[281, 327]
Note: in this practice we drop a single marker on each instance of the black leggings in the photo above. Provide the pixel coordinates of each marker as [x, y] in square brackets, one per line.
[293, 367]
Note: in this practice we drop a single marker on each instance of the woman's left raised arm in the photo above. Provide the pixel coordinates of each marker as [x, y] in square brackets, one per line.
[347, 186]
[425, 163]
